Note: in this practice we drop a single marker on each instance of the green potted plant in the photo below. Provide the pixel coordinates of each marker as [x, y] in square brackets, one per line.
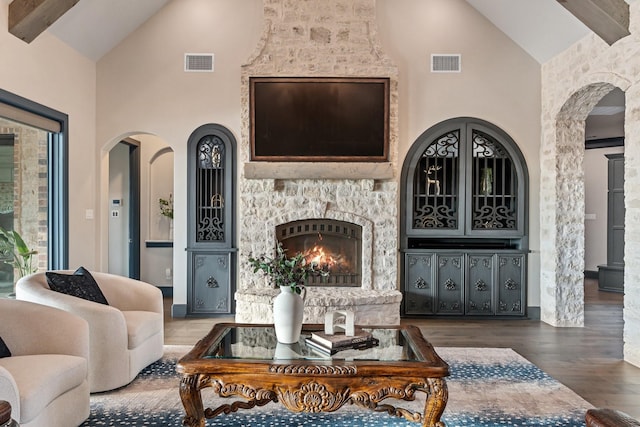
[288, 274]
[283, 270]
[166, 210]
[166, 206]
[16, 253]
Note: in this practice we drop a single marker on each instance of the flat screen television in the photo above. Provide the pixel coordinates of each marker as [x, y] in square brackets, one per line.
[322, 119]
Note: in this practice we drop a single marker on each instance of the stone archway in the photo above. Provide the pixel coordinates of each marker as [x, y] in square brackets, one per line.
[562, 205]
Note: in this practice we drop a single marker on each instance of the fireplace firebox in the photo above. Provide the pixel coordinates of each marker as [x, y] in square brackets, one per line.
[334, 245]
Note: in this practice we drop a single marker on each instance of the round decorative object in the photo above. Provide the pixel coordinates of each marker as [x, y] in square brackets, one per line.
[288, 312]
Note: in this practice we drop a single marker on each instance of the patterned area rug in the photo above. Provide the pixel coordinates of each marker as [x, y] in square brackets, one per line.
[488, 387]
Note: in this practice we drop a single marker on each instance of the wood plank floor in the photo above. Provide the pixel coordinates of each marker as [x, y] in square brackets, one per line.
[588, 360]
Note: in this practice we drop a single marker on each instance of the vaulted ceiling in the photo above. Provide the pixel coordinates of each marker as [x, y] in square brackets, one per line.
[543, 28]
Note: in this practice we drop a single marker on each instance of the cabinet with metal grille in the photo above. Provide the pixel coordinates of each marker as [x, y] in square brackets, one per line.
[465, 193]
[210, 227]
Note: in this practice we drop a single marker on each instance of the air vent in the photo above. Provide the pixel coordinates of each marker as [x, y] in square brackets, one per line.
[198, 62]
[445, 63]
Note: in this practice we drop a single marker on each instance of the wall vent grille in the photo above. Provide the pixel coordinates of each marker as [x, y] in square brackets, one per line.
[198, 62]
[441, 63]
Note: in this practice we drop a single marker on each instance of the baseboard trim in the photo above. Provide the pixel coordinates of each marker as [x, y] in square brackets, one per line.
[179, 310]
[590, 274]
[167, 291]
[533, 313]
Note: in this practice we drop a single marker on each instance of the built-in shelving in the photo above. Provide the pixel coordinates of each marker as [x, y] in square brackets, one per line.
[464, 232]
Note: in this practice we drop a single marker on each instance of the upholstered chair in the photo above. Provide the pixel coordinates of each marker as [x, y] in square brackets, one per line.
[124, 336]
[44, 375]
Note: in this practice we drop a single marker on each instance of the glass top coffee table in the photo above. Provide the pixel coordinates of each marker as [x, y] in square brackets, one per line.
[246, 361]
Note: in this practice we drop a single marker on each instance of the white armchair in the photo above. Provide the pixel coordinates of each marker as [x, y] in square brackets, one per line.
[124, 336]
[46, 377]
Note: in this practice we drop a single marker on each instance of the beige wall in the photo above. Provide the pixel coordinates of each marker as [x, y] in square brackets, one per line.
[499, 83]
[50, 73]
[141, 86]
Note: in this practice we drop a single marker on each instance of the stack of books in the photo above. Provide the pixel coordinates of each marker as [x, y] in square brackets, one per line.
[331, 344]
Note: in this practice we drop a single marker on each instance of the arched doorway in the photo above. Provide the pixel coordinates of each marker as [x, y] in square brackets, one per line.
[563, 208]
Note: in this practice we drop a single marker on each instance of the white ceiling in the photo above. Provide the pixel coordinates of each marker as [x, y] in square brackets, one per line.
[94, 27]
[543, 28]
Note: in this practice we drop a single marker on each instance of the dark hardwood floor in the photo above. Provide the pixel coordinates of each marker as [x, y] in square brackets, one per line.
[588, 360]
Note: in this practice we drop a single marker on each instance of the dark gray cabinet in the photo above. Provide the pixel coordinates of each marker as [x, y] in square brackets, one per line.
[479, 283]
[611, 275]
[464, 223]
[211, 232]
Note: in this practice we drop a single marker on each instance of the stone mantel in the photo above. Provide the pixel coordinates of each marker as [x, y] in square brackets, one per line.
[318, 170]
[327, 38]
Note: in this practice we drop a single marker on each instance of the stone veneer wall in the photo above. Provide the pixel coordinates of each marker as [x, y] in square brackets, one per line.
[321, 38]
[572, 83]
[30, 185]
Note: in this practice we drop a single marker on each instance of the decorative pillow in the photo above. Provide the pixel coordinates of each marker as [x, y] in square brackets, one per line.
[80, 284]
[4, 350]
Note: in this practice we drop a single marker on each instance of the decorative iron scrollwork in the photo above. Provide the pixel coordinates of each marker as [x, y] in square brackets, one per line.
[420, 283]
[212, 282]
[441, 216]
[210, 152]
[481, 286]
[450, 285]
[456, 262]
[510, 285]
[210, 229]
[426, 260]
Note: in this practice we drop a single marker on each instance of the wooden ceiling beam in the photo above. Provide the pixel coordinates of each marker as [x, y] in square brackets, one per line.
[609, 19]
[29, 18]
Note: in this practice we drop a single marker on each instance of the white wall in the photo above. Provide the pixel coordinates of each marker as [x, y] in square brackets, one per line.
[141, 85]
[156, 180]
[595, 203]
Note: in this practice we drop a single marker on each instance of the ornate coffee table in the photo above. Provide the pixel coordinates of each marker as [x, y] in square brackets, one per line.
[245, 360]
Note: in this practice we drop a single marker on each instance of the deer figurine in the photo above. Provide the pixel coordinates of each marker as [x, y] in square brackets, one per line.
[433, 181]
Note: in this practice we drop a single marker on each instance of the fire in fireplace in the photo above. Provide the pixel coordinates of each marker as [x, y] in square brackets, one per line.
[334, 245]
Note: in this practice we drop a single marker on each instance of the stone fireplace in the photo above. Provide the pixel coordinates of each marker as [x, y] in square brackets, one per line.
[321, 38]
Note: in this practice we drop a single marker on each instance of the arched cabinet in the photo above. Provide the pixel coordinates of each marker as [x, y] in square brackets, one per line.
[210, 225]
[464, 222]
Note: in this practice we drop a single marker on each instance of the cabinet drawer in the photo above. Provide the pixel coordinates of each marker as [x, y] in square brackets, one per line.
[211, 283]
[419, 284]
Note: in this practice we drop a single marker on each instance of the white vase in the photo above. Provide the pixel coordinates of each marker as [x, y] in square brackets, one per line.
[171, 229]
[288, 312]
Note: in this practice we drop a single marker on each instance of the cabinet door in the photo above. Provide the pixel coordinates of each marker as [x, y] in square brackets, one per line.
[511, 292]
[436, 188]
[419, 287]
[211, 283]
[494, 187]
[450, 284]
[480, 284]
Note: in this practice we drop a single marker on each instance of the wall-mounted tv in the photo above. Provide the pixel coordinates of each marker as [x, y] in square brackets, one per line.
[322, 119]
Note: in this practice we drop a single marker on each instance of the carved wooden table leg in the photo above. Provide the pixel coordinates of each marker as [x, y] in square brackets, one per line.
[437, 396]
[192, 401]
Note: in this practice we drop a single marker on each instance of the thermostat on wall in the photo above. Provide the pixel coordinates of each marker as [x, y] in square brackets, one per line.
[116, 202]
